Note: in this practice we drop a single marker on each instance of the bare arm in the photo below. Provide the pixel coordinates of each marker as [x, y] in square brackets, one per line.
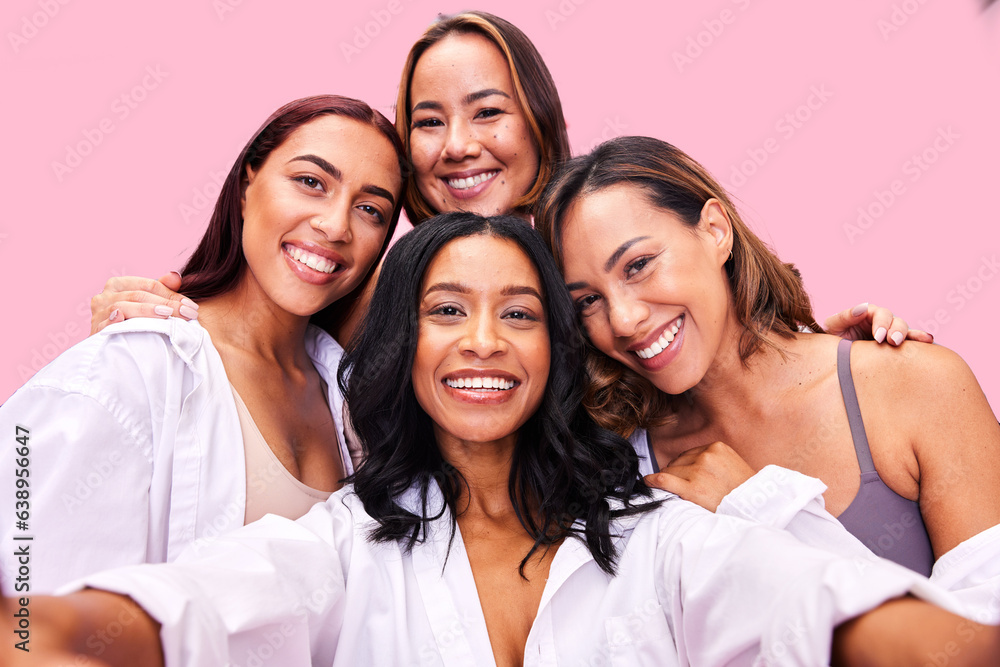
[108, 628]
[907, 631]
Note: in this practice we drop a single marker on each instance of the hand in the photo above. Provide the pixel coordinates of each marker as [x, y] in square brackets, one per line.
[867, 321]
[130, 296]
[703, 475]
[44, 633]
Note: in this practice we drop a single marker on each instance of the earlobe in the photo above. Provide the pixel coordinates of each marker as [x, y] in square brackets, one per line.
[715, 221]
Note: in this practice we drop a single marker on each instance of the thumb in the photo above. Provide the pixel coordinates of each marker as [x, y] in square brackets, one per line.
[171, 280]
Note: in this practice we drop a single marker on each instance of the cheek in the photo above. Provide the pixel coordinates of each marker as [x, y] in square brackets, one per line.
[423, 155]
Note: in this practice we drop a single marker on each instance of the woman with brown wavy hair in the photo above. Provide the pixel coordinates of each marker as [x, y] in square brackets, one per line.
[695, 332]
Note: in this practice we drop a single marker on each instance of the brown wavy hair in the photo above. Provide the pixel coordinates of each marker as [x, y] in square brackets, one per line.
[533, 87]
[768, 295]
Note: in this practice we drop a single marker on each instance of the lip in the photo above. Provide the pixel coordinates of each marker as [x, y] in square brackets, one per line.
[480, 396]
[474, 191]
[309, 275]
[664, 358]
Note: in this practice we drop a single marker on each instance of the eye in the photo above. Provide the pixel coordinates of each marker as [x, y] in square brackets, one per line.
[427, 122]
[488, 113]
[520, 314]
[310, 182]
[635, 267]
[584, 303]
[446, 310]
[373, 212]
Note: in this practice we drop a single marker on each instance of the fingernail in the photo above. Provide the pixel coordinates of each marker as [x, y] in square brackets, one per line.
[163, 311]
[859, 309]
[177, 273]
[880, 334]
[898, 337]
[189, 313]
[113, 315]
[189, 303]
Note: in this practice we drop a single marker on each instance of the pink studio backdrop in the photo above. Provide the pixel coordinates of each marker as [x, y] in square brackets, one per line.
[859, 137]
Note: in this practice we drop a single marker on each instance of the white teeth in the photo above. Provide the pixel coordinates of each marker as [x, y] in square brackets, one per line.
[313, 261]
[488, 383]
[661, 343]
[472, 181]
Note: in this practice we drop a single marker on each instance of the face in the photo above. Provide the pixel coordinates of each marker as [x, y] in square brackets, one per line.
[470, 144]
[316, 212]
[651, 291]
[482, 359]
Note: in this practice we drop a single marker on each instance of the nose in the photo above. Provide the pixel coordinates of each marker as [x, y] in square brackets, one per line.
[625, 315]
[482, 337]
[334, 223]
[461, 142]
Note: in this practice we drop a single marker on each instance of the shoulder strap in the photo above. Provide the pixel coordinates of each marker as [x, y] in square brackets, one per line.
[853, 409]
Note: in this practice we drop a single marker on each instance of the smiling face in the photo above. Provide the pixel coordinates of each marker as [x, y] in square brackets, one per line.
[482, 358]
[651, 290]
[470, 143]
[316, 213]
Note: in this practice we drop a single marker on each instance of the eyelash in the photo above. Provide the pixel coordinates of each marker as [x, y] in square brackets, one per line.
[316, 181]
[436, 122]
[585, 302]
[371, 210]
[524, 315]
[636, 266]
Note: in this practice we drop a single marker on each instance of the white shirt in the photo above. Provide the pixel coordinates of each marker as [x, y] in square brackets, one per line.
[692, 588]
[788, 500]
[135, 450]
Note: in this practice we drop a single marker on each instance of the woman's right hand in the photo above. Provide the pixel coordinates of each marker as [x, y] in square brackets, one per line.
[130, 296]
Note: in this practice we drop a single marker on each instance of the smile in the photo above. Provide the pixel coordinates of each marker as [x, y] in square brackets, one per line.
[312, 260]
[485, 383]
[662, 343]
[472, 181]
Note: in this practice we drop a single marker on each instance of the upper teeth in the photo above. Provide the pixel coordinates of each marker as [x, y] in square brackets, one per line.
[313, 261]
[466, 183]
[663, 342]
[479, 383]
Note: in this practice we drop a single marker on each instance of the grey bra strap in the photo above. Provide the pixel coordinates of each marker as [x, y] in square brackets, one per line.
[853, 409]
[652, 455]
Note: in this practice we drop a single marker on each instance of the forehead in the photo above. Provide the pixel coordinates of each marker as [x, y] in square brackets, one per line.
[482, 263]
[359, 150]
[458, 64]
[597, 223]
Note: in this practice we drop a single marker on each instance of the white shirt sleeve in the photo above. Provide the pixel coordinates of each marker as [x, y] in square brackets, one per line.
[272, 590]
[89, 476]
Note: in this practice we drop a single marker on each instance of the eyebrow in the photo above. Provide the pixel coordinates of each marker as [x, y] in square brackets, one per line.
[508, 290]
[621, 250]
[469, 99]
[339, 175]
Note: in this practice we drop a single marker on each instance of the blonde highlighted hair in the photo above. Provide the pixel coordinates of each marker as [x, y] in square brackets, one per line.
[534, 90]
[768, 295]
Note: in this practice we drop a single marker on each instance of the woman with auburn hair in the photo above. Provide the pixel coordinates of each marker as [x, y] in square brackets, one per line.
[695, 333]
[480, 119]
[495, 523]
[158, 432]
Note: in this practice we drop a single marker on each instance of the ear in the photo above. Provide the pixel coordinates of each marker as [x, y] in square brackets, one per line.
[715, 222]
[247, 180]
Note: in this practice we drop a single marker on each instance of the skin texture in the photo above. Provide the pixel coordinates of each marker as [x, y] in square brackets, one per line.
[466, 121]
[259, 328]
[492, 322]
[784, 406]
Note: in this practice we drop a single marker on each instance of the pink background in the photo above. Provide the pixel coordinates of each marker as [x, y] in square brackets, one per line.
[887, 79]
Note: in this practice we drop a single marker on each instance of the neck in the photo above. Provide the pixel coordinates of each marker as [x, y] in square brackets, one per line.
[246, 320]
[486, 469]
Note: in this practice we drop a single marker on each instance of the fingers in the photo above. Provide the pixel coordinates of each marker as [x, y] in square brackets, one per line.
[867, 321]
[919, 336]
[841, 323]
[667, 482]
[131, 296]
[171, 280]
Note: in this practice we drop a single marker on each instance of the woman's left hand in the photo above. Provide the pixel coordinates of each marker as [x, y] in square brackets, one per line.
[867, 321]
[703, 475]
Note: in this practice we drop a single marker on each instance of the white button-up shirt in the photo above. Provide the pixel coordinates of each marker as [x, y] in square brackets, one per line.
[135, 450]
[693, 588]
